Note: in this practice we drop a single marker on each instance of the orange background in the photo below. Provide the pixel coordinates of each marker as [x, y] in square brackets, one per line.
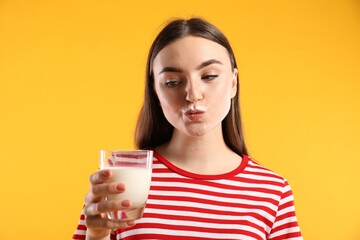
[71, 83]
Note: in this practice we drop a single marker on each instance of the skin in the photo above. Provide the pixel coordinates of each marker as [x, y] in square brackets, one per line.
[194, 71]
[188, 73]
[98, 226]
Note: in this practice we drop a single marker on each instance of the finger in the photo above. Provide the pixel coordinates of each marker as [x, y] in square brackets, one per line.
[97, 222]
[91, 209]
[97, 192]
[100, 176]
[110, 206]
[105, 206]
[105, 189]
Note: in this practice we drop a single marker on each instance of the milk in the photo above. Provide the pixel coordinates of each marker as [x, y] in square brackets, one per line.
[137, 184]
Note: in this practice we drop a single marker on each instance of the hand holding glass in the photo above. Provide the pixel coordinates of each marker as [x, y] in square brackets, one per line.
[133, 168]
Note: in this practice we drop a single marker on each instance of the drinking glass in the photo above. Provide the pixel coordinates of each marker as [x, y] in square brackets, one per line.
[133, 168]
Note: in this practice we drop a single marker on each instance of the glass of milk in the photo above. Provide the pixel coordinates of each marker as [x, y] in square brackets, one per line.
[133, 168]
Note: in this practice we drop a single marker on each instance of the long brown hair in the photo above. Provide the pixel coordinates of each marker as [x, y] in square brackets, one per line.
[152, 128]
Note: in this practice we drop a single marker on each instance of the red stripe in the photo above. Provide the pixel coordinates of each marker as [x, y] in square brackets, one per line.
[196, 229]
[210, 220]
[215, 212]
[208, 201]
[164, 237]
[287, 236]
[113, 236]
[286, 205]
[210, 211]
[286, 194]
[259, 181]
[216, 185]
[77, 236]
[285, 226]
[257, 166]
[248, 170]
[81, 227]
[285, 215]
[221, 194]
[263, 174]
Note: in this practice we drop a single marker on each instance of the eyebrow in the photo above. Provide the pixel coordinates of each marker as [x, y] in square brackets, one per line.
[207, 63]
[170, 69]
[202, 65]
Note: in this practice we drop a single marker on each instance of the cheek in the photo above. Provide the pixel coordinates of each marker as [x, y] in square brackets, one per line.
[169, 101]
[164, 99]
[223, 92]
[222, 98]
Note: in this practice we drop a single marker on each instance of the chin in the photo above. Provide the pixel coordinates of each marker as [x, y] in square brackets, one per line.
[197, 132]
[197, 129]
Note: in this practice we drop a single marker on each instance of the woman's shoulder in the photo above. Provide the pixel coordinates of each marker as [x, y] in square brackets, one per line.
[259, 171]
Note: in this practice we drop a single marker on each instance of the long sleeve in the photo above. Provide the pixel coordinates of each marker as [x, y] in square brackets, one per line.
[80, 233]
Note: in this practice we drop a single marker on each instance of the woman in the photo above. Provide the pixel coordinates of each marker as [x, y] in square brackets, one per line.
[204, 186]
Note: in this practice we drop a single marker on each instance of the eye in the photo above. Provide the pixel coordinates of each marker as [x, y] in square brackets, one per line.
[209, 77]
[172, 83]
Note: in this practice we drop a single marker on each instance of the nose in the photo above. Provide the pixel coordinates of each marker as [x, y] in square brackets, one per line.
[194, 91]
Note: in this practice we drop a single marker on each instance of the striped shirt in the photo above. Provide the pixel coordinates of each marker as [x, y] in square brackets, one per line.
[249, 203]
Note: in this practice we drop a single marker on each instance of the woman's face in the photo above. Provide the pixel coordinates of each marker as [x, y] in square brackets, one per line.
[195, 83]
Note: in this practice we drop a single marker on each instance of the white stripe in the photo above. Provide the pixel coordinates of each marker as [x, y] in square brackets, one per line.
[215, 189]
[260, 177]
[225, 182]
[186, 234]
[286, 210]
[285, 231]
[214, 216]
[168, 175]
[262, 171]
[204, 215]
[287, 188]
[289, 198]
[249, 185]
[284, 221]
[295, 238]
[80, 232]
[210, 206]
[251, 175]
[202, 225]
[214, 198]
[254, 167]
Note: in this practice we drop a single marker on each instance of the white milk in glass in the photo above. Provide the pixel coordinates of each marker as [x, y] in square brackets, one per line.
[137, 185]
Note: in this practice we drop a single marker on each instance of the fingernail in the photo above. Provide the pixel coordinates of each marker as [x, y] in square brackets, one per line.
[106, 173]
[125, 203]
[120, 187]
[131, 223]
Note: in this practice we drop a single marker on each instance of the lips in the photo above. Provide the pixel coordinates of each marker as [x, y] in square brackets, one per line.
[194, 115]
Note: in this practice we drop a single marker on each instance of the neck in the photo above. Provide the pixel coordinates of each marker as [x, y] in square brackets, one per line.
[206, 154]
[202, 147]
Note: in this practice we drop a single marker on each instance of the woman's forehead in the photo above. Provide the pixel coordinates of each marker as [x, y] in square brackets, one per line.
[191, 50]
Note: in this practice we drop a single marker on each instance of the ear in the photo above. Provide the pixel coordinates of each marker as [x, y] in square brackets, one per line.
[234, 83]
